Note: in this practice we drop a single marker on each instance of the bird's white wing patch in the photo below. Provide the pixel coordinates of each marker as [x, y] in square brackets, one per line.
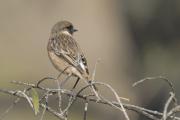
[82, 65]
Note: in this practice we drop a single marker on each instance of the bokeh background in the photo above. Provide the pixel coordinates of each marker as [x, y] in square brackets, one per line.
[132, 38]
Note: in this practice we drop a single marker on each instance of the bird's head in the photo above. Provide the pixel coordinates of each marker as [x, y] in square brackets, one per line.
[64, 26]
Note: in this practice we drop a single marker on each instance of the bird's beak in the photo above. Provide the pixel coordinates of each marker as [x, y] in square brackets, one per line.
[75, 30]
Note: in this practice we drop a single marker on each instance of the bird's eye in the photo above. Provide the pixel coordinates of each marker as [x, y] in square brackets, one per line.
[70, 27]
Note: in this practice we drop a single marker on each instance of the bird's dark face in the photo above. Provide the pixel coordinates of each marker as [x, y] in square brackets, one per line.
[70, 29]
[63, 26]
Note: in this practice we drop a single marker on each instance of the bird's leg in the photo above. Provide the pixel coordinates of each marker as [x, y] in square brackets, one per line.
[94, 86]
[76, 83]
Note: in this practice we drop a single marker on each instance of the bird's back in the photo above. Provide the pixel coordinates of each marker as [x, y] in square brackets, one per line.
[65, 46]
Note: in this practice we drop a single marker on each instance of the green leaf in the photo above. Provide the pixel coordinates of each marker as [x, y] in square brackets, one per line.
[35, 100]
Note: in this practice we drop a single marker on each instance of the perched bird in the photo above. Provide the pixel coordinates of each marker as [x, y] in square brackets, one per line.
[65, 53]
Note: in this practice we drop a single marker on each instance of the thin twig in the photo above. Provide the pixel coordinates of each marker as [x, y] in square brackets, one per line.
[152, 114]
[46, 96]
[42, 80]
[85, 110]
[43, 113]
[94, 71]
[174, 110]
[154, 78]
[59, 97]
[71, 101]
[140, 110]
[20, 95]
[29, 99]
[164, 117]
[9, 108]
[117, 98]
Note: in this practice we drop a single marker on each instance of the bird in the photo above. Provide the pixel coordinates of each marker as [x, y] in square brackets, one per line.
[65, 53]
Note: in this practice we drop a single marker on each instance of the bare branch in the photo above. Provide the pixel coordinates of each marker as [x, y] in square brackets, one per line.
[164, 117]
[94, 96]
[9, 108]
[154, 78]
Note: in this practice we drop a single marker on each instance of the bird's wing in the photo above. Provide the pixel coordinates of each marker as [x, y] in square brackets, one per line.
[66, 47]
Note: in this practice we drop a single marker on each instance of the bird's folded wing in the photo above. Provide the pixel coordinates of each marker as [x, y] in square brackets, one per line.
[68, 49]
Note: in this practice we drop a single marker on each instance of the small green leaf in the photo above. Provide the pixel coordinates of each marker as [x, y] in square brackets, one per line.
[35, 100]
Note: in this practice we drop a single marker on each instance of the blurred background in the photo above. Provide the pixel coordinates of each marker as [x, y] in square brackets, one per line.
[132, 38]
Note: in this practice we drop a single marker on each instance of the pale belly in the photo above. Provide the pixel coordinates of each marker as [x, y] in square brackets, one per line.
[61, 65]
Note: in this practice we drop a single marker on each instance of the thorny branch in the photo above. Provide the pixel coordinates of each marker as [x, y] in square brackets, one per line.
[168, 113]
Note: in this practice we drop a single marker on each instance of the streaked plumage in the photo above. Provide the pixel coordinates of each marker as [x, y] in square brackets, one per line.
[64, 51]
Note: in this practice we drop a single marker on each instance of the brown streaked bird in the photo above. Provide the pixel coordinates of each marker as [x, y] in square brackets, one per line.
[65, 53]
